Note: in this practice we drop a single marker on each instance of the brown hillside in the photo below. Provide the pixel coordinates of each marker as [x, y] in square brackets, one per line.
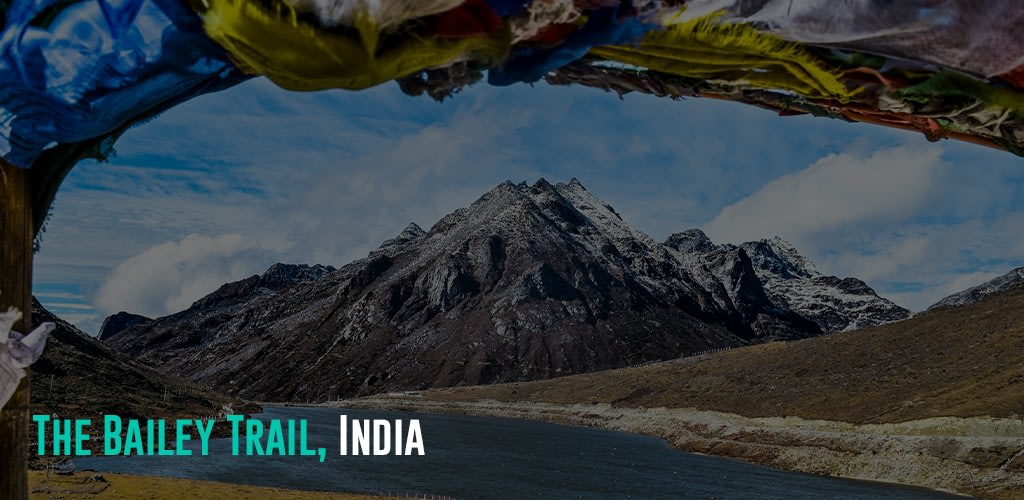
[79, 377]
[963, 361]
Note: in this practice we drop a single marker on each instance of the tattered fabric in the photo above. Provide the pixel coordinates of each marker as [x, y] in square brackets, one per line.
[980, 37]
[97, 66]
[18, 352]
[603, 27]
[275, 42]
[705, 49]
[385, 14]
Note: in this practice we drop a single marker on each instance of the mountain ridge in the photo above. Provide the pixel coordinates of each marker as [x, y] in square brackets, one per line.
[528, 282]
[1013, 280]
[791, 281]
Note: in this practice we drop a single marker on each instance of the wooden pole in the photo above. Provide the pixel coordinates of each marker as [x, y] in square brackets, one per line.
[15, 290]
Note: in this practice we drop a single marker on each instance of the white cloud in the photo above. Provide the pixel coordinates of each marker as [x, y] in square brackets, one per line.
[838, 190]
[88, 323]
[168, 277]
[903, 219]
[918, 264]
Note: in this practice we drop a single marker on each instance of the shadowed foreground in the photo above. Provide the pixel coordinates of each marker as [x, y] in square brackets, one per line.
[91, 485]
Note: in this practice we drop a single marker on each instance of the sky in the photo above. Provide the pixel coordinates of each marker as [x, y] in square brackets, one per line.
[225, 185]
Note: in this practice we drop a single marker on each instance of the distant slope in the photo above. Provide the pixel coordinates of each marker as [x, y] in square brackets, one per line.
[79, 377]
[1013, 280]
[957, 361]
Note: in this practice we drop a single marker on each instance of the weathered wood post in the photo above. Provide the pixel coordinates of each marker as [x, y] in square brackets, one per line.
[16, 235]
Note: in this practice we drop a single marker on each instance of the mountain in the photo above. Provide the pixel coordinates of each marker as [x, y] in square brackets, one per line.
[118, 322]
[80, 377]
[837, 304]
[529, 282]
[1011, 281]
[275, 279]
[792, 282]
[729, 275]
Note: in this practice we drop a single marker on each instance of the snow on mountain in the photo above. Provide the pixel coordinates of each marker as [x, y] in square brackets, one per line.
[528, 282]
[791, 281]
[1011, 280]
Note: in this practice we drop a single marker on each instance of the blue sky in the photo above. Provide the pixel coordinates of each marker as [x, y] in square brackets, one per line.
[225, 185]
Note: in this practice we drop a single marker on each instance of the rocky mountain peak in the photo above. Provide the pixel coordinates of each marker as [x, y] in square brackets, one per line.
[779, 257]
[411, 233]
[116, 323]
[690, 241]
[542, 185]
[790, 281]
[289, 274]
[276, 278]
[589, 204]
[539, 211]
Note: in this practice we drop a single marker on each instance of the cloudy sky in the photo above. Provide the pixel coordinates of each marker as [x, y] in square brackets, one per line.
[222, 187]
